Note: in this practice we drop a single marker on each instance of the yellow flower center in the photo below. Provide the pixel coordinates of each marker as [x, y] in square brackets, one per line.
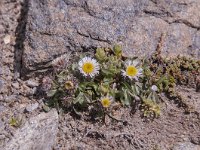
[131, 71]
[106, 102]
[69, 85]
[88, 67]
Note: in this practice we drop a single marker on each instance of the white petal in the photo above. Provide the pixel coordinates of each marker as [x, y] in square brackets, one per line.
[140, 70]
[80, 63]
[135, 62]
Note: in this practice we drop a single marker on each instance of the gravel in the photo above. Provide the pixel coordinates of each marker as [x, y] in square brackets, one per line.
[32, 107]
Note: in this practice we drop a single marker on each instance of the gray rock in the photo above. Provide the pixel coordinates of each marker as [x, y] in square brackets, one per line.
[2, 125]
[195, 140]
[186, 146]
[34, 90]
[15, 85]
[59, 26]
[39, 133]
[32, 83]
[26, 90]
[1, 84]
[2, 136]
[32, 107]
[2, 108]
[11, 98]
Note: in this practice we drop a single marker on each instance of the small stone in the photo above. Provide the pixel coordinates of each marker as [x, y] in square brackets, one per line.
[32, 107]
[195, 140]
[25, 90]
[2, 108]
[7, 39]
[1, 84]
[39, 133]
[15, 85]
[1, 98]
[16, 75]
[11, 98]
[2, 126]
[2, 136]
[46, 108]
[32, 83]
[34, 90]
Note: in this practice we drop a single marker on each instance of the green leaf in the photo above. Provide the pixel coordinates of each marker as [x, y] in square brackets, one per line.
[87, 98]
[126, 85]
[74, 66]
[84, 86]
[135, 89]
[117, 50]
[104, 89]
[131, 94]
[127, 100]
[79, 99]
[107, 81]
[150, 96]
[46, 108]
[107, 72]
[125, 97]
[162, 79]
[100, 54]
[16, 122]
[51, 93]
[13, 122]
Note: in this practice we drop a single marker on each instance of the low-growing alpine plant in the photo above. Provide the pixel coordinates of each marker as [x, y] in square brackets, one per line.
[107, 78]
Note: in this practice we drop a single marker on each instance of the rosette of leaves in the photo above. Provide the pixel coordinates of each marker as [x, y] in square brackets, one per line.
[150, 108]
[129, 93]
[68, 84]
[89, 91]
[110, 61]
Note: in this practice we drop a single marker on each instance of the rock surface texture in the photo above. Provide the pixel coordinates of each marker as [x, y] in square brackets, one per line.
[55, 27]
[39, 133]
[34, 32]
[186, 146]
[9, 13]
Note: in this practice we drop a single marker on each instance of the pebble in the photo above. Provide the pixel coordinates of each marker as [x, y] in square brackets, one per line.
[1, 98]
[32, 107]
[7, 39]
[2, 126]
[17, 75]
[32, 83]
[195, 140]
[15, 85]
[2, 136]
[2, 108]
[11, 98]
[34, 90]
[25, 90]
[1, 84]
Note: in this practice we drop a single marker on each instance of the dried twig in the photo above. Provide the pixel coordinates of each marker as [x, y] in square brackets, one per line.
[119, 120]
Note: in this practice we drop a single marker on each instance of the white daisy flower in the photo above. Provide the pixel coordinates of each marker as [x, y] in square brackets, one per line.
[154, 88]
[131, 70]
[106, 101]
[88, 67]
